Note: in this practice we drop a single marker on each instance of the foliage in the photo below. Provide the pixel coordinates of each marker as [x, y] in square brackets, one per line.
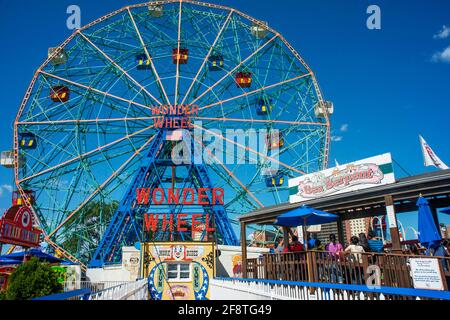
[86, 225]
[31, 280]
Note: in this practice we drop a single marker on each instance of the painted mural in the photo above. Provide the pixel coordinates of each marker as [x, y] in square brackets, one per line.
[178, 271]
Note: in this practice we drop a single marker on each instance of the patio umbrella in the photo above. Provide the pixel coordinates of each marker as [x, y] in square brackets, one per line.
[428, 231]
[305, 216]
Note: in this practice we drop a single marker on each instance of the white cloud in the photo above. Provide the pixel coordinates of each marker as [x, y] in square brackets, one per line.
[336, 138]
[443, 34]
[344, 127]
[442, 56]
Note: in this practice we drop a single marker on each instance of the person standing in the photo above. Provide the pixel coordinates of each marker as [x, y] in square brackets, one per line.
[334, 249]
[375, 244]
[355, 250]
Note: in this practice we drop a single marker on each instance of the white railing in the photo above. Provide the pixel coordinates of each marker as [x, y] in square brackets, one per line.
[93, 286]
[250, 289]
[127, 291]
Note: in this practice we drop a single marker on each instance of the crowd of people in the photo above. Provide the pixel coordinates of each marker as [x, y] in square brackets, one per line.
[359, 245]
[335, 271]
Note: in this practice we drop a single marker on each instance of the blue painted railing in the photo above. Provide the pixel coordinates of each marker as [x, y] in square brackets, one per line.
[406, 292]
[82, 294]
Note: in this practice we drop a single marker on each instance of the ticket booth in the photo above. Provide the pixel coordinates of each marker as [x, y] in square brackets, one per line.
[178, 271]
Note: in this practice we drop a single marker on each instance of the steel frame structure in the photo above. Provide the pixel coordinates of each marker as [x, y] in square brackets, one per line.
[92, 146]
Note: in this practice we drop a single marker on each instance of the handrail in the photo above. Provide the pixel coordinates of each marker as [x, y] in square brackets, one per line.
[444, 295]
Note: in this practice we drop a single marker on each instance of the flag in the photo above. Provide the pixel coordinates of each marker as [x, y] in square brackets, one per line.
[431, 159]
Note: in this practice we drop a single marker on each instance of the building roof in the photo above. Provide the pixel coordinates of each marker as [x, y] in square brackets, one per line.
[433, 185]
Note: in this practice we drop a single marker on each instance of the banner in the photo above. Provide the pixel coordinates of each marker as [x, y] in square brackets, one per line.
[430, 158]
[358, 175]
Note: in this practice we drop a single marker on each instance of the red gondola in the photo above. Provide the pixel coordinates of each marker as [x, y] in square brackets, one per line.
[181, 56]
[60, 94]
[17, 199]
[244, 79]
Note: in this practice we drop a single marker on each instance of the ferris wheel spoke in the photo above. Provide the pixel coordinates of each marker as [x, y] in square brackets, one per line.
[249, 149]
[144, 46]
[100, 188]
[87, 154]
[229, 173]
[246, 94]
[235, 68]
[119, 68]
[261, 121]
[225, 24]
[84, 121]
[95, 90]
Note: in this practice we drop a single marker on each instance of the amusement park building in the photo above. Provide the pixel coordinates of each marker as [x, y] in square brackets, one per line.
[363, 204]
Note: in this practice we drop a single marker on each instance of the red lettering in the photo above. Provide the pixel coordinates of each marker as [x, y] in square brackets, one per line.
[161, 198]
[208, 228]
[218, 195]
[143, 196]
[185, 194]
[181, 223]
[196, 224]
[174, 198]
[203, 199]
[165, 223]
[151, 222]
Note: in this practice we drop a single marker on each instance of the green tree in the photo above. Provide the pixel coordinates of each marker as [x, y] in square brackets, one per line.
[32, 279]
[86, 231]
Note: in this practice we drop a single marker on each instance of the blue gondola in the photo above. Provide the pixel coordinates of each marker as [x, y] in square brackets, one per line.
[274, 181]
[143, 62]
[216, 63]
[264, 107]
[27, 141]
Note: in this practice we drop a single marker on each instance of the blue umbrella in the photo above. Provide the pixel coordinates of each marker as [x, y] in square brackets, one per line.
[428, 231]
[446, 210]
[19, 256]
[305, 216]
[8, 262]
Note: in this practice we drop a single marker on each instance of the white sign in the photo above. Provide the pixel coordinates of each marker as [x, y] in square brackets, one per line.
[358, 175]
[426, 274]
[391, 217]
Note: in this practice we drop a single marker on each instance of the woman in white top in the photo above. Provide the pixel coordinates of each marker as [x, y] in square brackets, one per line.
[355, 249]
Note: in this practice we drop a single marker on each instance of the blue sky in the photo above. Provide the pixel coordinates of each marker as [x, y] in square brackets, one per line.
[388, 86]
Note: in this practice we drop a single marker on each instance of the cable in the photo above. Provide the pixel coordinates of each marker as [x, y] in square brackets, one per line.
[403, 169]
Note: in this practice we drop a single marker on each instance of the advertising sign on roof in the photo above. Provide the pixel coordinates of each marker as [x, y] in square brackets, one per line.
[358, 175]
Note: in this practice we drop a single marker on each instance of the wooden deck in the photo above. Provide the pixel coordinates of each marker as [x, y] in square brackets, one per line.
[322, 267]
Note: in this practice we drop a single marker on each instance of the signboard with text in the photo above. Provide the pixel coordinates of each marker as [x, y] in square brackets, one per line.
[354, 176]
[16, 228]
[426, 274]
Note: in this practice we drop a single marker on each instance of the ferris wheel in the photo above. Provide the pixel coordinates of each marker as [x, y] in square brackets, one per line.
[86, 125]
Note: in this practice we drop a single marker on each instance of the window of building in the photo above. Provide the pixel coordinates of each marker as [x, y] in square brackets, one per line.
[179, 272]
